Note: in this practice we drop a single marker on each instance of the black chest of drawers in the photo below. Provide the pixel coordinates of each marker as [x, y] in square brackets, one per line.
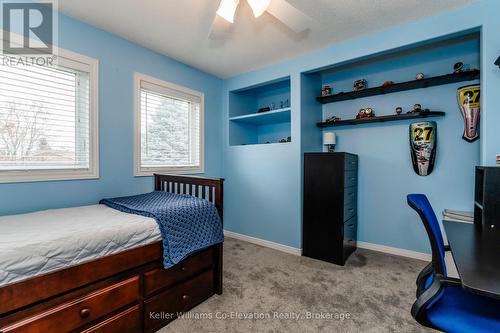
[329, 224]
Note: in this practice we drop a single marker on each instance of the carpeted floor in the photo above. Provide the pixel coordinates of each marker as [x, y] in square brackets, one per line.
[286, 293]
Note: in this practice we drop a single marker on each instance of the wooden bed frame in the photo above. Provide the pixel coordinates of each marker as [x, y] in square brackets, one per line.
[124, 292]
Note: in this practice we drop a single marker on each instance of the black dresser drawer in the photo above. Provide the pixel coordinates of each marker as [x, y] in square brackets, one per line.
[350, 228]
[350, 195]
[350, 178]
[350, 162]
[350, 237]
[349, 210]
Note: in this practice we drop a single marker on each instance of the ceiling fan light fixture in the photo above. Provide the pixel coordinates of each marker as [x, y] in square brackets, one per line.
[227, 8]
[258, 6]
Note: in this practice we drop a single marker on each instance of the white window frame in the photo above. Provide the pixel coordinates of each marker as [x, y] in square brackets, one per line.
[80, 62]
[142, 171]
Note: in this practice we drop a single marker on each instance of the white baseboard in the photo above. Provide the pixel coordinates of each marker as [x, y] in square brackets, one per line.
[395, 251]
[361, 245]
[262, 242]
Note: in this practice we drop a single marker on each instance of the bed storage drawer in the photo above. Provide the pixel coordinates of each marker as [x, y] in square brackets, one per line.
[162, 278]
[74, 314]
[162, 308]
[128, 321]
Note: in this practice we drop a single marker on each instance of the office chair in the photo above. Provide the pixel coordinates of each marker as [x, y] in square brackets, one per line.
[423, 207]
[442, 303]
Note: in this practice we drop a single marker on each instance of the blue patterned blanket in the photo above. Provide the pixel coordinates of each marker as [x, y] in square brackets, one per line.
[187, 224]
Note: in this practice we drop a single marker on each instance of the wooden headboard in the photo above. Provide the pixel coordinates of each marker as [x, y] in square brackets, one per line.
[211, 189]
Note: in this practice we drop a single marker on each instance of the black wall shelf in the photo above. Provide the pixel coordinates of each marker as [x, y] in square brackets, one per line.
[382, 119]
[402, 86]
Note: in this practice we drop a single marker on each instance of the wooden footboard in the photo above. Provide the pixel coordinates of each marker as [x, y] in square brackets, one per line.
[125, 292]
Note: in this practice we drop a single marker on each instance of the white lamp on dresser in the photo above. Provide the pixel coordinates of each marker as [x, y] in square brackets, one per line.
[329, 140]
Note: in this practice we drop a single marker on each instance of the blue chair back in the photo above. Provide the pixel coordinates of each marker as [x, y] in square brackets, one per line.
[423, 207]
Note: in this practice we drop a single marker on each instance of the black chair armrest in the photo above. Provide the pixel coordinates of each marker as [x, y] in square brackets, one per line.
[422, 277]
[447, 248]
[424, 273]
[428, 296]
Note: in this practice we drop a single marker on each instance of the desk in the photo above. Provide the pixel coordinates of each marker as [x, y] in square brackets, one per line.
[476, 254]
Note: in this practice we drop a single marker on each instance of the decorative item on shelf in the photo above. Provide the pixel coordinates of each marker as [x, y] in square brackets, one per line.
[498, 62]
[420, 76]
[273, 106]
[399, 110]
[365, 113]
[387, 83]
[360, 85]
[329, 140]
[332, 119]
[326, 91]
[498, 160]
[287, 103]
[458, 67]
[265, 109]
[469, 103]
[285, 140]
[417, 108]
[423, 144]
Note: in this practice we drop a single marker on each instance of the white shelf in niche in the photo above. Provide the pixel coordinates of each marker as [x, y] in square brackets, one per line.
[264, 118]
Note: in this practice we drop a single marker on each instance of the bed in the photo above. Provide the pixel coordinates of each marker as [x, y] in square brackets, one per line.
[101, 270]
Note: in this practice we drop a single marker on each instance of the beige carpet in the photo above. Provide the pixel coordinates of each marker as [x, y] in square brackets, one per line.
[286, 293]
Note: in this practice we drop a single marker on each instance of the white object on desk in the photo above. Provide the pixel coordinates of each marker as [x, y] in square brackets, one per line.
[458, 216]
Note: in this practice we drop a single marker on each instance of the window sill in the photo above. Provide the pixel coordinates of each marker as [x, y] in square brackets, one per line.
[45, 176]
[174, 171]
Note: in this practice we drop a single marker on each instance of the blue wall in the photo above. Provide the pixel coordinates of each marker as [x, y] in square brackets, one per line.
[263, 193]
[385, 170]
[118, 60]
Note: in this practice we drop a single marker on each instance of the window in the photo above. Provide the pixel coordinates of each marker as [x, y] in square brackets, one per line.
[48, 119]
[169, 128]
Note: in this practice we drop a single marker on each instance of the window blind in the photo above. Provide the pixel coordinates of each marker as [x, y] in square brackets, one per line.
[170, 128]
[44, 118]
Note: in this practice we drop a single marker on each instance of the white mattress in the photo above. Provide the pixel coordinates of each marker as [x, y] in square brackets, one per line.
[41, 242]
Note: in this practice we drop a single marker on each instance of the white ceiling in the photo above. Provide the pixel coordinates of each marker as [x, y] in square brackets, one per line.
[180, 28]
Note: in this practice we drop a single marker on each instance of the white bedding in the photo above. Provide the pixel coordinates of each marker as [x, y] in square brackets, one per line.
[41, 242]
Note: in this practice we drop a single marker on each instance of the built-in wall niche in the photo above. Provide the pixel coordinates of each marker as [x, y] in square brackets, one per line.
[248, 126]
[422, 75]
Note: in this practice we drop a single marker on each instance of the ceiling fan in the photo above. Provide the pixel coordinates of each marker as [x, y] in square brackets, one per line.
[280, 9]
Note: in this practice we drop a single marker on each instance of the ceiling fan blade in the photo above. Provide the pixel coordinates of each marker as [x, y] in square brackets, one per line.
[289, 15]
[220, 28]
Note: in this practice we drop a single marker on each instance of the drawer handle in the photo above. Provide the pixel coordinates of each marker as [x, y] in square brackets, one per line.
[84, 313]
[351, 225]
[353, 179]
[185, 297]
[351, 210]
